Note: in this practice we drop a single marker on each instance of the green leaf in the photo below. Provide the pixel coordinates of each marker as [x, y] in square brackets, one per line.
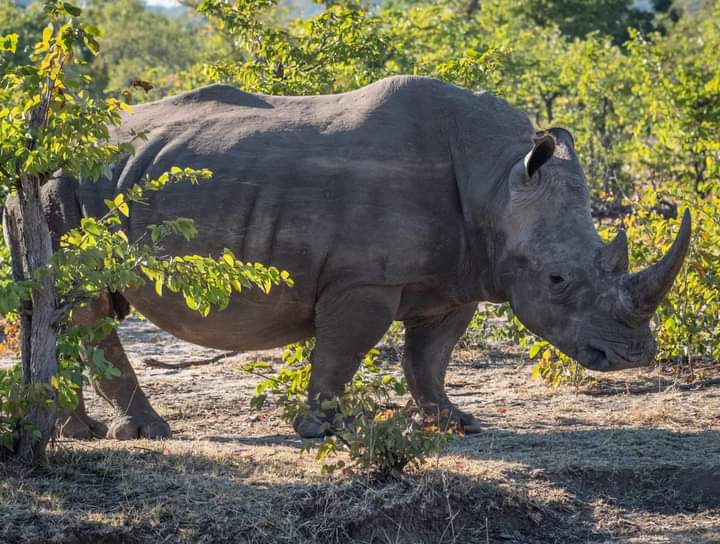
[8, 43]
[47, 35]
[228, 257]
[90, 225]
[71, 9]
[535, 349]
[92, 30]
[191, 301]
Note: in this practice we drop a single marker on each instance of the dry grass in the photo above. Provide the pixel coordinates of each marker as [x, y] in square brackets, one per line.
[596, 465]
[184, 492]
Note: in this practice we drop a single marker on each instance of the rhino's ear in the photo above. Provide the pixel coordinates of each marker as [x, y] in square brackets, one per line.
[541, 152]
[563, 135]
[564, 143]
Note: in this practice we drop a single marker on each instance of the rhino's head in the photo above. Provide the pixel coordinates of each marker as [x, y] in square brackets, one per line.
[562, 281]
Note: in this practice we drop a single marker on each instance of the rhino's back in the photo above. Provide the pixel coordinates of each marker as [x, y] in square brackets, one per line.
[356, 188]
[300, 182]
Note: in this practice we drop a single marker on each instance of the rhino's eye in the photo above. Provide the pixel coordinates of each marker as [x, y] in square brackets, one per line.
[556, 280]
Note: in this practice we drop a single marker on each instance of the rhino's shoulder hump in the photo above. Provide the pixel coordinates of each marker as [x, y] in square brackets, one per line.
[222, 94]
[410, 96]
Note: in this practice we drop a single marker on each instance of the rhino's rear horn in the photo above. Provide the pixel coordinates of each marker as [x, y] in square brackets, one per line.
[649, 287]
[614, 257]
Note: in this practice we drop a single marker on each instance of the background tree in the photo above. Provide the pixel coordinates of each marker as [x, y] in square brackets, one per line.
[138, 44]
[26, 23]
[40, 111]
[578, 18]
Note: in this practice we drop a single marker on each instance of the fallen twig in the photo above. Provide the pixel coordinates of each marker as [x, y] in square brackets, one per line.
[155, 363]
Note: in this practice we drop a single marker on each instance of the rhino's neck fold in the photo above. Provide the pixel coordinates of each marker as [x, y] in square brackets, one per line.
[487, 137]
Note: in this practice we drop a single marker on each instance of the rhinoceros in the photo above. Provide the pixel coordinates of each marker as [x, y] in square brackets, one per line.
[409, 199]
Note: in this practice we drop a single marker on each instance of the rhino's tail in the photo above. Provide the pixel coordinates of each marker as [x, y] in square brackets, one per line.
[120, 305]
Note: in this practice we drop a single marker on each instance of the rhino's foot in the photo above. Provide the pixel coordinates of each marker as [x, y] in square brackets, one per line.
[311, 426]
[132, 427]
[81, 428]
[468, 422]
[450, 417]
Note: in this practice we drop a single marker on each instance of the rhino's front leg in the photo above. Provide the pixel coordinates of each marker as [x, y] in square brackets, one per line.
[428, 347]
[348, 323]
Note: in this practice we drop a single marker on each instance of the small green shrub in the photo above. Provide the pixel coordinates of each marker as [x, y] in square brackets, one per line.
[377, 434]
[287, 388]
[16, 399]
[394, 338]
[554, 367]
[475, 335]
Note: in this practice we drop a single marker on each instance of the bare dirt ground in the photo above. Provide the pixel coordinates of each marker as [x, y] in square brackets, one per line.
[634, 460]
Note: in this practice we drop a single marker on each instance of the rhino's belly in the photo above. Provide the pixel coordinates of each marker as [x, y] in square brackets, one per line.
[252, 320]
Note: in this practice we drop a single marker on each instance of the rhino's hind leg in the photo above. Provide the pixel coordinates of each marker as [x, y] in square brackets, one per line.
[135, 417]
[79, 425]
[428, 347]
[347, 325]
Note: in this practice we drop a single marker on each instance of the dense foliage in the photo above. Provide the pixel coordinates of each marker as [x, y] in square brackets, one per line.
[644, 110]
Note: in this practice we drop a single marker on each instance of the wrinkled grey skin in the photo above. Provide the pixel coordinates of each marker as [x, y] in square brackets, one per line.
[409, 199]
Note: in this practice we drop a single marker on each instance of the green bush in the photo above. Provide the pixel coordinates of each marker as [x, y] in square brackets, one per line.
[97, 256]
[365, 422]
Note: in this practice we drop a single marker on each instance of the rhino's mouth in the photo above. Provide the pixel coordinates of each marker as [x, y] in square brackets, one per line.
[603, 359]
[594, 358]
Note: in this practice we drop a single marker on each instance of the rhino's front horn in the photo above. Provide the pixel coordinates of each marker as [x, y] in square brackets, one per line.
[650, 286]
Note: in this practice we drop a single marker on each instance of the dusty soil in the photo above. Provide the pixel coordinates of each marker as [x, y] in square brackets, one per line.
[635, 459]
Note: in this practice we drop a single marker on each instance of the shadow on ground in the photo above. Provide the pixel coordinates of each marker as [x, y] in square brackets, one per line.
[652, 470]
[530, 487]
[290, 441]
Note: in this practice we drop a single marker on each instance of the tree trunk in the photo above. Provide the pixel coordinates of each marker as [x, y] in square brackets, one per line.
[549, 100]
[471, 8]
[38, 336]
